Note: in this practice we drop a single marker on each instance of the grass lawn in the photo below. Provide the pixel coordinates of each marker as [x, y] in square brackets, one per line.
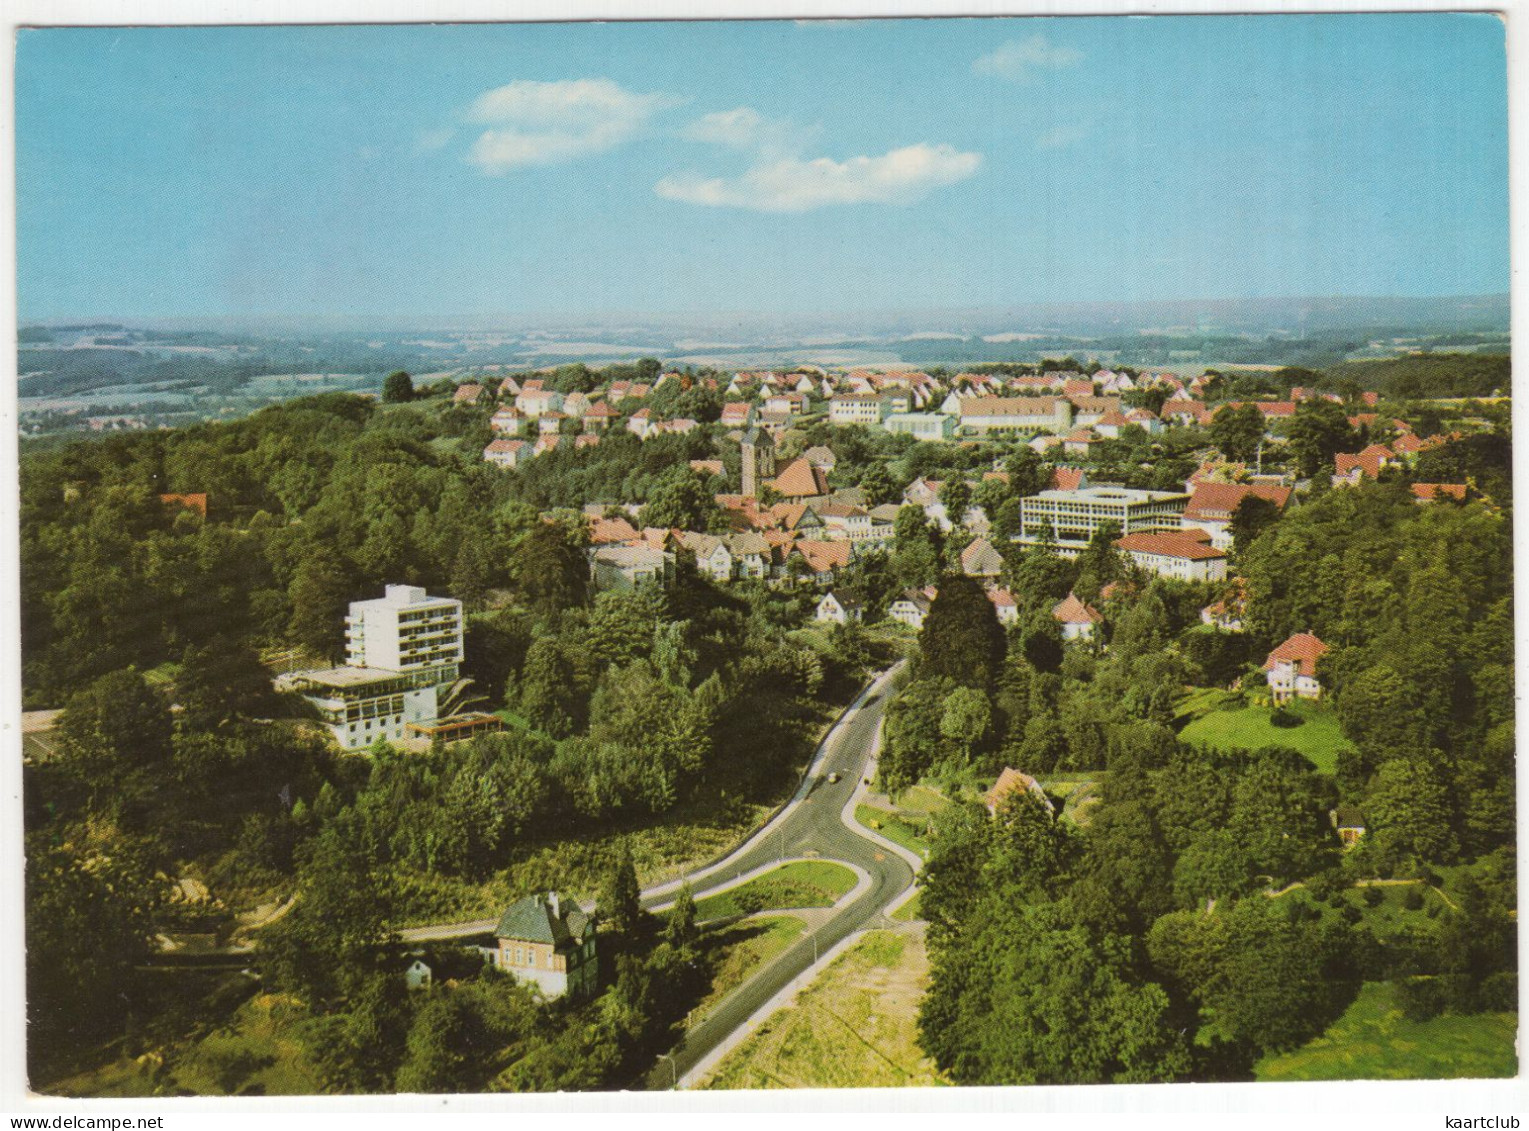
[1248, 728]
[854, 1027]
[1373, 1041]
[922, 799]
[805, 883]
[738, 950]
[895, 827]
[910, 910]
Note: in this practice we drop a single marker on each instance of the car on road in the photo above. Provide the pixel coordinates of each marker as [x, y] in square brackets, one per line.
[833, 777]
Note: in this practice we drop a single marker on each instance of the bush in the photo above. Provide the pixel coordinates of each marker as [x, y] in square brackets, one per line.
[1498, 992]
[1420, 999]
[1327, 885]
[1280, 717]
[1373, 897]
[1413, 900]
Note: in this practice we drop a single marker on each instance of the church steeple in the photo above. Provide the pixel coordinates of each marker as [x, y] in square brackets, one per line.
[758, 458]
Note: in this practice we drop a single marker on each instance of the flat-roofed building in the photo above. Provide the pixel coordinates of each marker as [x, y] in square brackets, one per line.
[1070, 519]
[401, 650]
[921, 425]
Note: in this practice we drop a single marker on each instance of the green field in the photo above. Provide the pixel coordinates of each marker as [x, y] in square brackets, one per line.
[896, 827]
[805, 883]
[854, 1027]
[1319, 738]
[1373, 1041]
[738, 950]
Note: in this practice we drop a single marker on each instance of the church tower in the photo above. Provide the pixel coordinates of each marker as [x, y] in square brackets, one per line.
[758, 459]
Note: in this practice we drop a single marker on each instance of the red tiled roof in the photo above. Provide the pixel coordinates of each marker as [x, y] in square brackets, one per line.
[603, 531]
[1067, 478]
[1303, 649]
[1428, 492]
[1008, 406]
[1215, 502]
[192, 502]
[1070, 610]
[1365, 463]
[823, 556]
[800, 480]
[1186, 544]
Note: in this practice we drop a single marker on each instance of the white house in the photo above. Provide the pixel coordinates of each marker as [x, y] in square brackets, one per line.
[1292, 668]
[627, 567]
[712, 556]
[1077, 619]
[504, 452]
[912, 607]
[839, 608]
[536, 401]
[1004, 605]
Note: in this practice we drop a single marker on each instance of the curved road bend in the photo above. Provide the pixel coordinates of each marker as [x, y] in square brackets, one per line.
[809, 826]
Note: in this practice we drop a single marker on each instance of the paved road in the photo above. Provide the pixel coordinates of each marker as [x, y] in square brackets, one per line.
[810, 826]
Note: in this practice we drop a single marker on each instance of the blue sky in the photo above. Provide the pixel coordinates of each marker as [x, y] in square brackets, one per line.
[770, 166]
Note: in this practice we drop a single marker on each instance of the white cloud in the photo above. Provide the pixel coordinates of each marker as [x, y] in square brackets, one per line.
[1018, 59]
[791, 184]
[545, 123]
[748, 129]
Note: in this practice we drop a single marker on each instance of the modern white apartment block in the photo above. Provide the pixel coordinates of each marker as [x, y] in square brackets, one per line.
[401, 650]
[1071, 518]
[404, 630]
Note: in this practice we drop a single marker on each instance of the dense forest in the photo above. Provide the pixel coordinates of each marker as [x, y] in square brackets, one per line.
[1145, 946]
[627, 705]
